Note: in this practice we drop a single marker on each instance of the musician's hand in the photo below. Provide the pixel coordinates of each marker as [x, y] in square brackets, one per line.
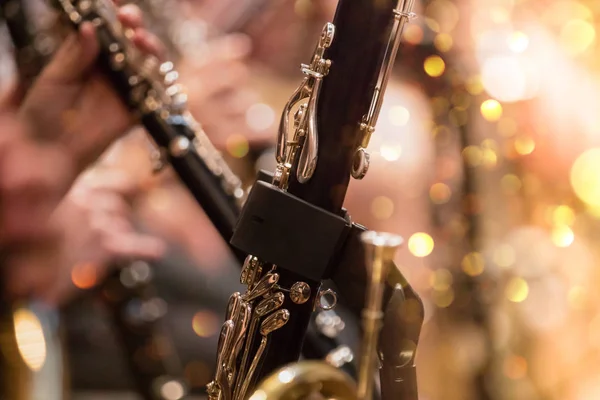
[96, 221]
[72, 101]
[33, 178]
[219, 92]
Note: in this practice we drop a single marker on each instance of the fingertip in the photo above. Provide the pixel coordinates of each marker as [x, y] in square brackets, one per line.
[148, 43]
[87, 30]
[130, 16]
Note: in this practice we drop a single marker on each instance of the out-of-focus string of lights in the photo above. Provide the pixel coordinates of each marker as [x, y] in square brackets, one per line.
[538, 220]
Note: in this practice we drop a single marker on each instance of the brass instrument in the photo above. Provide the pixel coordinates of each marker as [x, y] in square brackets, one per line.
[295, 229]
[299, 380]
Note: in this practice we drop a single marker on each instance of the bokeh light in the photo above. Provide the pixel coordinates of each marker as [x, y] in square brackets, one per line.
[577, 36]
[420, 244]
[84, 275]
[441, 279]
[434, 66]
[491, 110]
[562, 236]
[30, 338]
[382, 207]
[237, 145]
[518, 42]
[473, 264]
[399, 115]
[504, 255]
[585, 177]
[524, 145]
[517, 290]
[205, 323]
[563, 215]
[260, 117]
[440, 193]
[390, 153]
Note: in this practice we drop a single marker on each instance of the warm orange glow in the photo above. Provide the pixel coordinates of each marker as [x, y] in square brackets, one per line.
[205, 323]
[440, 193]
[84, 275]
[30, 338]
[515, 367]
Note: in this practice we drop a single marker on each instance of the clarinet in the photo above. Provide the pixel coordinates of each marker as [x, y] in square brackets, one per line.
[294, 228]
[127, 292]
[136, 312]
[150, 90]
[323, 335]
[33, 44]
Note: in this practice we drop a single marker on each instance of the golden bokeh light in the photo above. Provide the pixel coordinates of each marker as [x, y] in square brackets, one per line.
[563, 215]
[504, 255]
[489, 158]
[399, 116]
[441, 279]
[517, 290]
[577, 297]
[472, 155]
[205, 323]
[443, 42]
[440, 193]
[499, 14]
[518, 42]
[443, 298]
[562, 236]
[491, 110]
[390, 153]
[474, 85]
[511, 183]
[382, 207]
[585, 177]
[420, 244]
[434, 66]
[29, 335]
[237, 145]
[577, 36]
[473, 264]
[524, 145]
[84, 275]
[444, 13]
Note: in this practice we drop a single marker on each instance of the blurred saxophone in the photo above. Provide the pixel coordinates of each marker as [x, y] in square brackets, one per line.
[299, 380]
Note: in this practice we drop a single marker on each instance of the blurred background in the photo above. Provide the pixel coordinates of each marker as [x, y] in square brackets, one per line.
[486, 159]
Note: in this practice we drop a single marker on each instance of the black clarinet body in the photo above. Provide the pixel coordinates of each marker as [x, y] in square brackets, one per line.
[295, 228]
[136, 312]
